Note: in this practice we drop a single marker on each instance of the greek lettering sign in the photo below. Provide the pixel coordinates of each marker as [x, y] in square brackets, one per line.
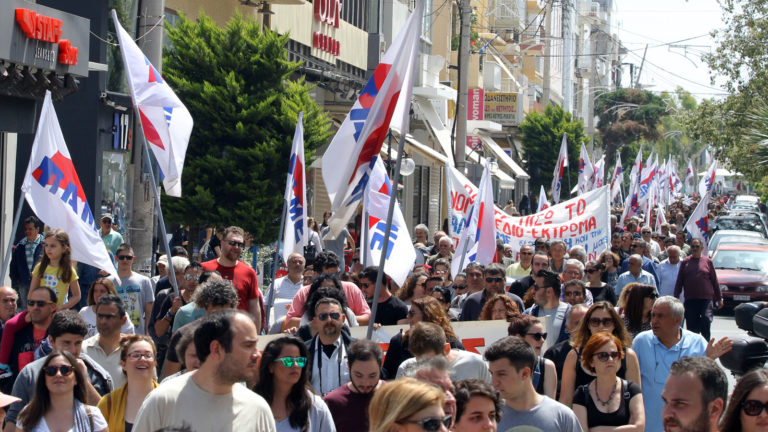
[501, 108]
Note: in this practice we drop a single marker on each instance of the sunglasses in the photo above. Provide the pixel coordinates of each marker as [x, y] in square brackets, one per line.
[64, 370]
[190, 277]
[38, 303]
[753, 407]
[236, 244]
[494, 279]
[125, 257]
[333, 315]
[590, 271]
[605, 322]
[537, 336]
[572, 293]
[606, 356]
[653, 296]
[107, 222]
[431, 424]
[290, 361]
[459, 287]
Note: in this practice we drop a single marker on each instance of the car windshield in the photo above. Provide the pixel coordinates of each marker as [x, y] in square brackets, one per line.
[741, 260]
[740, 224]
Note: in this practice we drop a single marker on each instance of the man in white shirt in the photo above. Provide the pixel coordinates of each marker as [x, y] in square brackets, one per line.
[667, 271]
[282, 291]
[104, 347]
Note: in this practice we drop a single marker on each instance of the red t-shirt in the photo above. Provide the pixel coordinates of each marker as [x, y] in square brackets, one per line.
[243, 278]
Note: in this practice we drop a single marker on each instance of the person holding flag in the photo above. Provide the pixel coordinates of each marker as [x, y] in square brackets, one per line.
[562, 163]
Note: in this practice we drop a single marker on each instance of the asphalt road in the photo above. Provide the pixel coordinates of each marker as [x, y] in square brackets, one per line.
[724, 325]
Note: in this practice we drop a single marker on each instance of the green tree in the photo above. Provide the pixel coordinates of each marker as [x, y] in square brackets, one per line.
[542, 135]
[237, 84]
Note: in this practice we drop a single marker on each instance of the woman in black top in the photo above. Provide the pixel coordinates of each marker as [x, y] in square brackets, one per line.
[601, 291]
[608, 402]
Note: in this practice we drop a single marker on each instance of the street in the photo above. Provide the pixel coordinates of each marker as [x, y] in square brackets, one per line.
[725, 325]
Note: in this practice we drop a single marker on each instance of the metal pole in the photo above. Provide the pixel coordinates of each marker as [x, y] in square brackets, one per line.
[271, 296]
[390, 213]
[462, 95]
[7, 258]
[364, 227]
[547, 74]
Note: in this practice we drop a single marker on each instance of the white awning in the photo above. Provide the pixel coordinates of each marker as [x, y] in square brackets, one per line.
[413, 146]
[441, 132]
[503, 157]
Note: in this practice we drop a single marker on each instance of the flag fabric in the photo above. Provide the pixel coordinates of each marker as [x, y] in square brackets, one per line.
[586, 171]
[647, 175]
[599, 177]
[689, 173]
[53, 190]
[400, 255]
[479, 239]
[166, 122]
[543, 203]
[379, 182]
[383, 103]
[660, 218]
[617, 179]
[296, 236]
[698, 223]
[707, 182]
[562, 163]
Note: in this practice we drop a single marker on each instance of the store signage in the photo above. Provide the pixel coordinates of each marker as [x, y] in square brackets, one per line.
[501, 108]
[327, 13]
[476, 105]
[44, 28]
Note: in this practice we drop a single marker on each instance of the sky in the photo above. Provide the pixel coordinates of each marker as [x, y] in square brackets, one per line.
[658, 23]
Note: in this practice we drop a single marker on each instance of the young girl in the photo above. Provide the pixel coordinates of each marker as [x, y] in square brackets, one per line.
[55, 270]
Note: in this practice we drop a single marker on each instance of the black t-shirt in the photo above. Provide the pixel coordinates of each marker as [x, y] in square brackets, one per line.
[558, 353]
[595, 417]
[390, 311]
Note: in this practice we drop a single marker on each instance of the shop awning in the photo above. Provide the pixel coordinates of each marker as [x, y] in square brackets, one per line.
[414, 146]
[441, 132]
[503, 158]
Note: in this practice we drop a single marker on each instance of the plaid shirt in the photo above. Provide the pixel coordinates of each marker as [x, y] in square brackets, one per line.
[29, 250]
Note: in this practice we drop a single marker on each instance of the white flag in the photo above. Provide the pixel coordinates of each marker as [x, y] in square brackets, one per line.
[617, 179]
[53, 190]
[688, 173]
[598, 179]
[400, 252]
[586, 170]
[479, 239]
[660, 219]
[562, 162]
[707, 182]
[698, 223]
[296, 236]
[543, 203]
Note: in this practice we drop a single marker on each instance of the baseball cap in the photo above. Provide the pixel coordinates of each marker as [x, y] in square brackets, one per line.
[106, 216]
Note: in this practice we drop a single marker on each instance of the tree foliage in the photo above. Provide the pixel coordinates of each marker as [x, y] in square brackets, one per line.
[237, 84]
[542, 135]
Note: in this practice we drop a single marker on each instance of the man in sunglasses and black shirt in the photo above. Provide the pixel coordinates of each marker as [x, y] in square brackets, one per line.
[390, 309]
[495, 283]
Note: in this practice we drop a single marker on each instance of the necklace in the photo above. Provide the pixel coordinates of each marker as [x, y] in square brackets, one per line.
[610, 396]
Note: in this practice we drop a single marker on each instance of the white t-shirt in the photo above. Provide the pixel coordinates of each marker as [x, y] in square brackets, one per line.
[99, 422]
[181, 402]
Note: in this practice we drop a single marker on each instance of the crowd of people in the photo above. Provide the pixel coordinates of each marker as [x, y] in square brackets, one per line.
[590, 344]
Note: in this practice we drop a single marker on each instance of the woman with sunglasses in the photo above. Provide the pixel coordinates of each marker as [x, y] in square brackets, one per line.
[748, 408]
[601, 291]
[100, 287]
[608, 402]
[637, 308]
[499, 307]
[601, 317]
[408, 405]
[425, 309]
[57, 401]
[137, 358]
[443, 296]
[529, 328]
[284, 383]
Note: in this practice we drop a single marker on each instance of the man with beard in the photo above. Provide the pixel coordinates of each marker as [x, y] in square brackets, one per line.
[349, 403]
[328, 348]
[694, 396]
[210, 397]
[521, 286]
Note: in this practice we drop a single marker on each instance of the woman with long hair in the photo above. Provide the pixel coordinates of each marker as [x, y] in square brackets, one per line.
[138, 360]
[444, 297]
[414, 287]
[746, 410]
[408, 404]
[284, 383]
[611, 264]
[601, 291]
[544, 376]
[101, 287]
[608, 402]
[499, 307]
[426, 309]
[638, 307]
[601, 317]
[58, 399]
[55, 270]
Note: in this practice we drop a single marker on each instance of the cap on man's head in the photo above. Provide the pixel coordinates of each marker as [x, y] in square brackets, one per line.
[106, 216]
[163, 260]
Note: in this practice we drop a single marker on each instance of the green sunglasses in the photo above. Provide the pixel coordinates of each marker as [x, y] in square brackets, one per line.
[290, 361]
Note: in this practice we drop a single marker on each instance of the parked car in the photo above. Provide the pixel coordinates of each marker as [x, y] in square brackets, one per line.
[743, 221]
[742, 272]
[737, 236]
[747, 198]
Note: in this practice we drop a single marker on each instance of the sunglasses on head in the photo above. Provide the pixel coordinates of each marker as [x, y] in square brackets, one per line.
[431, 424]
[333, 315]
[125, 257]
[64, 370]
[537, 336]
[290, 361]
[598, 321]
[605, 356]
[236, 244]
[753, 407]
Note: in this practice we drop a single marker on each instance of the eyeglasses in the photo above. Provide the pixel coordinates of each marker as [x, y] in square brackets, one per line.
[190, 277]
[753, 407]
[431, 424]
[645, 232]
[590, 271]
[494, 279]
[64, 370]
[125, 257]
[138, 356]
[333, 315]
[107, 222]
[537, 336]
[605, 322]
[290, 361]
[606, 356]
[459, 287]
[236, 244]
[653, 296]
[38, 303]
[573, 293]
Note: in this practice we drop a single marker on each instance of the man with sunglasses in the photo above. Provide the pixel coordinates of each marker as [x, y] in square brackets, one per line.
[390, 309]
[695, 395]
[697, 280]
[495, 283]
[328, 348]
[521, 286]
[546, 296]
[65, 333]
[135, 289]
[634, 273]
[241, 274]
[111, 238]
[521, 268]
[638, 248]
[646, 233]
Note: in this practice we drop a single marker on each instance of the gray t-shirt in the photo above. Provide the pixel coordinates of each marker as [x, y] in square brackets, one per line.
[320, 419]
[548, 416]
[136, 291]
[336, 246]
[466, 365]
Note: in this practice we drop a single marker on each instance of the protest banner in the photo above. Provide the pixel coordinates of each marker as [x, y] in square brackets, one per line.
[584, 220]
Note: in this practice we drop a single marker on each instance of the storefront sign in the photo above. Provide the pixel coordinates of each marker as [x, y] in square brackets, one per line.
[476, 105]
[327, 14]
[501, 108]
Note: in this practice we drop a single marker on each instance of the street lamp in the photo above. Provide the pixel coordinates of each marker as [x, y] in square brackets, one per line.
[407, 166]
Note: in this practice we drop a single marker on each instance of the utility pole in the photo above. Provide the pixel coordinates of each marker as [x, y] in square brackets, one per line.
[141, 225]
[642, 62]
[591, 94]
[463, 93]
[547, 59]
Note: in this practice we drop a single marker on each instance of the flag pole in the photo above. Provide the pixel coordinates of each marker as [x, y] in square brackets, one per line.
[271, 293]
[9, 249]
[385, 246]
